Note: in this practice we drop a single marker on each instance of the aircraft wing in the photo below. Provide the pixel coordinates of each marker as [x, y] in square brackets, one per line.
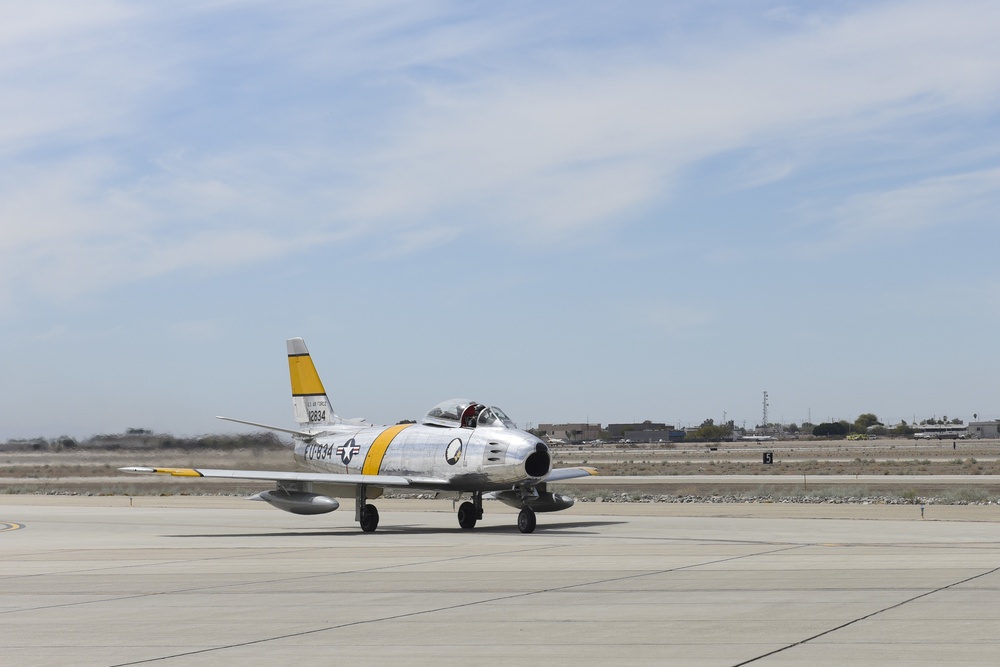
[570, 473]
[279, 476]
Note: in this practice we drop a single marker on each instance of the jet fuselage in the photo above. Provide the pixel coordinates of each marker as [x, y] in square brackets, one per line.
[486, 458]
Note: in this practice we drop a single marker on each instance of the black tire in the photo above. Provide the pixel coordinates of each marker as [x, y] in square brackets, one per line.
[526, 520]
[369, 518]
[467, 515]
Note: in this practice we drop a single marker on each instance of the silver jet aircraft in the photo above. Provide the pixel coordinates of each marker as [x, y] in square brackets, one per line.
[459, 447]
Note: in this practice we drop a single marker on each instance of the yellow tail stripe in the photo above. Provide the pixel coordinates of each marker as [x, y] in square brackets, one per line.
[305, 379]
[373, 461]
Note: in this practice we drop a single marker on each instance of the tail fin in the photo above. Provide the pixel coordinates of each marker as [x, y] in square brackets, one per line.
[309, 400]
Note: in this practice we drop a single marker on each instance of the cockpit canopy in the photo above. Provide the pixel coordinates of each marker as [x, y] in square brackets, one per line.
[461, 412]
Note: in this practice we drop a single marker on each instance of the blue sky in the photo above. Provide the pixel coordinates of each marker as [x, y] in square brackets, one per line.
[572, 211]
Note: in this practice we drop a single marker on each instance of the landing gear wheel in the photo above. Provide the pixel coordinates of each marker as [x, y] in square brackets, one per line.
[369, 518]
[467, 515]
[526, 520]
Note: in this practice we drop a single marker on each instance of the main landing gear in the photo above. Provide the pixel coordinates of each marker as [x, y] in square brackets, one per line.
[369, 518]
[470, 513]
[365, 513]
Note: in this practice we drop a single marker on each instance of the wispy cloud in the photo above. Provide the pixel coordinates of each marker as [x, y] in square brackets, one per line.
[141, 141]
[407, 242]
[896, 214]
[551, 150]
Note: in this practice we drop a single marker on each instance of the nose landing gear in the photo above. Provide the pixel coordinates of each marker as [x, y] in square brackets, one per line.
[526, 520]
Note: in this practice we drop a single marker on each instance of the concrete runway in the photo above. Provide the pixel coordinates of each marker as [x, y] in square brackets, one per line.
[790, 480]
[210, 581]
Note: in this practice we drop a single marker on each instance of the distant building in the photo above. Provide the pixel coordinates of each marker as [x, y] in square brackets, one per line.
[617, 431]
[984, 429]
[669, 434]
[571, 432]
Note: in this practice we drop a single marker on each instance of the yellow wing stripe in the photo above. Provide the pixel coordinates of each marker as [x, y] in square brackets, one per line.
[373, 461]
[305, 379]
[178, 472]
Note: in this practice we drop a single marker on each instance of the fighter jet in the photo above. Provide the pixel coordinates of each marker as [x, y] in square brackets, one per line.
[460, 447]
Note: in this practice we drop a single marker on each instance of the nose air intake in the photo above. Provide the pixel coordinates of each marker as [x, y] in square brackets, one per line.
[539, 462]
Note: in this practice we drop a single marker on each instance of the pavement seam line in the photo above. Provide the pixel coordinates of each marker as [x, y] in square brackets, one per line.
[452, 607]
[867, 616]
[270, 581]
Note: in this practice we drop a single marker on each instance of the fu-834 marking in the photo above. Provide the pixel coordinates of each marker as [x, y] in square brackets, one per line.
[346, 452]
[317, 451]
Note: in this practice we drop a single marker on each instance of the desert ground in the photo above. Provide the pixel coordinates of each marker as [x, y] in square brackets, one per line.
[94, 471]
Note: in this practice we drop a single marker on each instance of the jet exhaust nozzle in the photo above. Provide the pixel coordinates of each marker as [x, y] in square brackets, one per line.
[539, 462]
[298, 502]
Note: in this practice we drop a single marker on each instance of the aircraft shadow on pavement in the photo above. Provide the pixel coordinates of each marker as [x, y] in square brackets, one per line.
[568, 528]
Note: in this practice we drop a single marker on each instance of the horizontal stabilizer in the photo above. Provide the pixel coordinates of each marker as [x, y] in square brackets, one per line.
[570, 473]
[301, 434]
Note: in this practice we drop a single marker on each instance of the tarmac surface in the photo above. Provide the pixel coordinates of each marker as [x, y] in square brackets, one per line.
[791, 480]
[210, 581]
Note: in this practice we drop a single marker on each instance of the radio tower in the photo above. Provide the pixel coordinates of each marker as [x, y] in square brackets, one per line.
[764, 424]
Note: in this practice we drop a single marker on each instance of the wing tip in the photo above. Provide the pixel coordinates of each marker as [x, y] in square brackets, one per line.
[175, 472]
[138, 470]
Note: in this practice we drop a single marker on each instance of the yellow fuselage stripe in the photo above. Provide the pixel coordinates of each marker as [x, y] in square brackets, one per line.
[305, 379]
[373, 461]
